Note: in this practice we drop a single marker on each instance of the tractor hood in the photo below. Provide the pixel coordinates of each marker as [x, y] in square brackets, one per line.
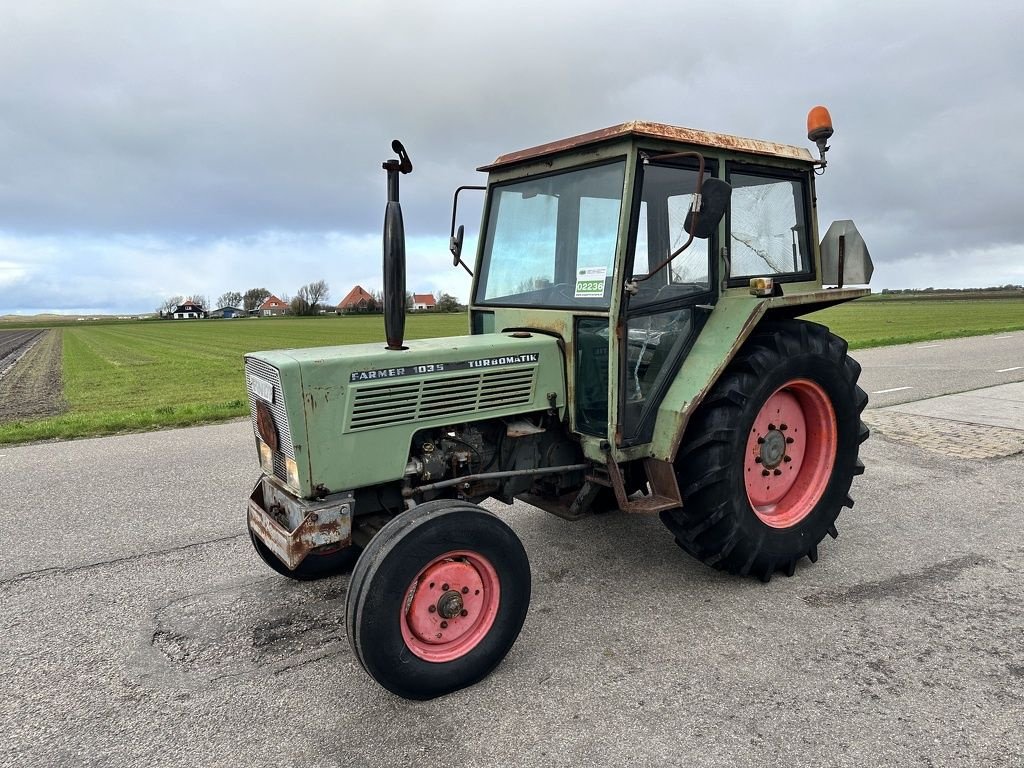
[346, 415]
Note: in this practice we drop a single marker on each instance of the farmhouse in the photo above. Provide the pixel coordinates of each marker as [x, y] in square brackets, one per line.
[422, 301]
[272, 307]
[188, 310]
[357, 300]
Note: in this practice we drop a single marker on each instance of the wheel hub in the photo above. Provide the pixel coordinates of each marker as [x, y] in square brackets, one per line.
[449, 605]
[773, 449]
[791, 449]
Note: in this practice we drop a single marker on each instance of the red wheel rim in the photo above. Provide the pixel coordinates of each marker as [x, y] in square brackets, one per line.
[450, 606]
[791, 450]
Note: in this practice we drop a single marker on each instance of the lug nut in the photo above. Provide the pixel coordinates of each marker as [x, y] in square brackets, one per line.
[765, 473]
[432, 608]
[786, 458]
[464, 612]
[444, 625]
[782, 427]
[757, 459]
[444, 587]
[771, 427]
[760, 441]
[778, 471]
[789, 440]
[465, 590]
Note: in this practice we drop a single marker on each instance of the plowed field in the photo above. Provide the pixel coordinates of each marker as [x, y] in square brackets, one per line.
[33, 387]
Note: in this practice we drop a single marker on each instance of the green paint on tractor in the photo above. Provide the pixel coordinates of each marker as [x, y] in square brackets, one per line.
[634, 345]
[350, 407]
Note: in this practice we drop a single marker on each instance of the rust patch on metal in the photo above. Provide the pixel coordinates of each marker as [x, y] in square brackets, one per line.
[662, 477]
[660, 131]
[649, 503]
[291, 528]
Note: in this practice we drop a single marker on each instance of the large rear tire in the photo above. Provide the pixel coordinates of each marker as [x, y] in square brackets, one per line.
[437, 599]
[769, 457]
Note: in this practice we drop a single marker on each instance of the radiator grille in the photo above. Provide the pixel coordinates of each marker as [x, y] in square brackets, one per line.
[379, 405]
[270, 374]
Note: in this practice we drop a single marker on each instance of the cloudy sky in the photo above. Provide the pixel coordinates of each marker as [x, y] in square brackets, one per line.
[156, 148]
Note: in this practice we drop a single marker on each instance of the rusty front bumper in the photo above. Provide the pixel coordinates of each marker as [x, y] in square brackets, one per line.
[292, 527]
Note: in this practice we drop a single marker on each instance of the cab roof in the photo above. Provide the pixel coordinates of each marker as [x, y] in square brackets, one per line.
[641, 129]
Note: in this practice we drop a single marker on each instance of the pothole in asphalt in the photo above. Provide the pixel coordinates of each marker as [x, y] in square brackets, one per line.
[270, 626]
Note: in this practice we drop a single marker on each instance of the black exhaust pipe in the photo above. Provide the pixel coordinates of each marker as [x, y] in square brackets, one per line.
[394, 252]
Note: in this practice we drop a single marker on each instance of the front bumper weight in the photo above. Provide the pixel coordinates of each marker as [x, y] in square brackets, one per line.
[291, 527]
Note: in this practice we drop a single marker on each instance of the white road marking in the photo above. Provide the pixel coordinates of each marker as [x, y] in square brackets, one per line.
[894, 389]
[1007, 370]
[929, 346]
[997, 338]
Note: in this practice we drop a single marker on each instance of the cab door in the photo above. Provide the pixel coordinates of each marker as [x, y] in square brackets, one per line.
[662, 318]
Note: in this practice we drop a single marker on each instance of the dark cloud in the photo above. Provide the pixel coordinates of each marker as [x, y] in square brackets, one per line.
[222, 120]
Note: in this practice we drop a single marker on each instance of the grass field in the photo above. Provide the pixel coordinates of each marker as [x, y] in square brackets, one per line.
[878, 322]
[145, 375]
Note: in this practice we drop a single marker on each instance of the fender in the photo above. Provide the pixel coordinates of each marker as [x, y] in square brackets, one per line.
[733, 320]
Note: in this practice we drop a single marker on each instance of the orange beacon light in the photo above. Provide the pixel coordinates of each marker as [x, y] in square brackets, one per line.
[819, 129]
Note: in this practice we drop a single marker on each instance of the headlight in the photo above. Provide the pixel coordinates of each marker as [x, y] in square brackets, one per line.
[266, 458]
[293, 472]
[265, 426]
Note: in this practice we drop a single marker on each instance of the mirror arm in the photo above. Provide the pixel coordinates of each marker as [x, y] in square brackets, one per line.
[695, 209]
[457, 252]
[455, 204]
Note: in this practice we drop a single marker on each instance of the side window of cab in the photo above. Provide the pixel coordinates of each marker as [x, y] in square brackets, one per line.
[769, 219]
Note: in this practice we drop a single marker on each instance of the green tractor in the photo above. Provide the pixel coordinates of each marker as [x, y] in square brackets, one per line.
[634, 344]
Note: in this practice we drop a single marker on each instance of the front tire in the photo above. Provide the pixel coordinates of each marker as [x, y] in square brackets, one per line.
[437, 599]
[768, 459]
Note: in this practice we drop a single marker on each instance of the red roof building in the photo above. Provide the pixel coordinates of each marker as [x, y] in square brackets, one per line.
[357, 300]
[273, 306]
[423, 301]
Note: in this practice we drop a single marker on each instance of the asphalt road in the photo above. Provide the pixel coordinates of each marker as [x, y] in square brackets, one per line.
[909, 372]
[140, 629]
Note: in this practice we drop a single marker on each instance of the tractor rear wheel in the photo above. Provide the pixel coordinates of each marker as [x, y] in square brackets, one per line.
[437, 599]
[769, 457]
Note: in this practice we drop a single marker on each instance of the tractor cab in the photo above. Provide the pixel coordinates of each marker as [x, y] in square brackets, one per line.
[589, 239]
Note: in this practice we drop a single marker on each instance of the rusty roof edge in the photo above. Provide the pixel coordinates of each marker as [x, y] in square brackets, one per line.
[654, 131]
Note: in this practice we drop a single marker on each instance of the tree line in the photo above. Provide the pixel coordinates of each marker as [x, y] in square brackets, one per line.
[1008, 288]
[309, 299]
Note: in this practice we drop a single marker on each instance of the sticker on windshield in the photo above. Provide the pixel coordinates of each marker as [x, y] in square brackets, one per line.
[590, 282]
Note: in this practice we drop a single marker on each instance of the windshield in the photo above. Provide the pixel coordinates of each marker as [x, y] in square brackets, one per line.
[551, 241]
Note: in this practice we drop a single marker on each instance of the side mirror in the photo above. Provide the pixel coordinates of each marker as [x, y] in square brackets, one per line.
[455, 240]
[714, 199]
[455, 245]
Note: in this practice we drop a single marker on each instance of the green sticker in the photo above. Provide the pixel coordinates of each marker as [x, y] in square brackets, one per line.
[590, 282]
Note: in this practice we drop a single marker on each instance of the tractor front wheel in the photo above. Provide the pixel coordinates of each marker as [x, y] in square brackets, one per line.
[437, 599]
[769, 457]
